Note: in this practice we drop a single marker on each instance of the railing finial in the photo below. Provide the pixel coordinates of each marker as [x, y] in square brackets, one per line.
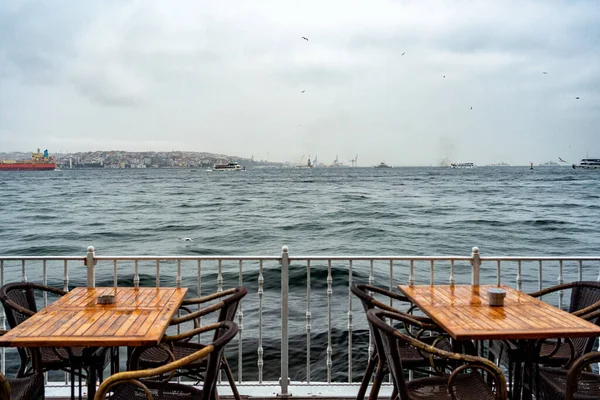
[475, 266]
[90, 262]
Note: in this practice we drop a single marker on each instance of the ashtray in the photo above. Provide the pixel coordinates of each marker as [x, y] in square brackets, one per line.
[106, 299]
[496, 297]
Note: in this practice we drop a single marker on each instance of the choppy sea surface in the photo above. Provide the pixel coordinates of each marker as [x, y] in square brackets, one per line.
[358, 211]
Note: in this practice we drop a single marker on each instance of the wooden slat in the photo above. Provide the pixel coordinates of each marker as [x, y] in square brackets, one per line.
[464, 312]
[139, 317]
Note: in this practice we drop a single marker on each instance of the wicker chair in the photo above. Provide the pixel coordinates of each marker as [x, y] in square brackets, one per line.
[458, 377]
[181, 345]
[154, 383]
[422, 328]
[584, 302]
[19, 301]
[575, 383]
[28, 387]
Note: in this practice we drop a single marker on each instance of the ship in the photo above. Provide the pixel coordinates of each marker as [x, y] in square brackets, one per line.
[382, 165]
[588, 163]
[232, 166]
[38, 162]
[462, 165]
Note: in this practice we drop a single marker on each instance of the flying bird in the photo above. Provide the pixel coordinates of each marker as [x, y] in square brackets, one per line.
[561, 160]
[444, 76]
[403, 54]
[305, 38]
[471, 108]
[576, 98]
[545, 73]
[304, 91]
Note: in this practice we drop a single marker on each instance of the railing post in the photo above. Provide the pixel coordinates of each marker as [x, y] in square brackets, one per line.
[475, 266]
[285, 264]
[90, 262]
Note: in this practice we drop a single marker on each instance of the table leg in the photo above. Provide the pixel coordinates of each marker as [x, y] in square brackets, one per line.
[91, 377]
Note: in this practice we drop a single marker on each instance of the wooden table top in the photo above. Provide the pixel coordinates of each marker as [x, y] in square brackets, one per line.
[139, 317]
[464, 312]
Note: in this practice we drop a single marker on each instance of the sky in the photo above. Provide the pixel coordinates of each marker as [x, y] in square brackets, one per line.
[389, 81]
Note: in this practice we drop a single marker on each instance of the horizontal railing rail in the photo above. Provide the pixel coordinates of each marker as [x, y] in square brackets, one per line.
[283, 292]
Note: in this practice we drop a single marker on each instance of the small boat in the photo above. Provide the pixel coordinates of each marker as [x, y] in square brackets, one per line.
[588, 163]
[382, 165]
[232, 166]
[462, 165]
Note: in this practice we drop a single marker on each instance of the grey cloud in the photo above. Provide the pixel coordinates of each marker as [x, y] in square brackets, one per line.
[237, 70]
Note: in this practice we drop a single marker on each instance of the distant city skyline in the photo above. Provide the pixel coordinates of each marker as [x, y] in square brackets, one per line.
[408, 83]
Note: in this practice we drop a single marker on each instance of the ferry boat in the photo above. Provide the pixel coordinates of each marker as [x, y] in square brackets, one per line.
[232, 166]
[462, 165]
[382, 165]
[588, 163]
[38, 162]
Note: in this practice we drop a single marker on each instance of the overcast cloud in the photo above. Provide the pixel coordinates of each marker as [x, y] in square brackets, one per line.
[227, 77]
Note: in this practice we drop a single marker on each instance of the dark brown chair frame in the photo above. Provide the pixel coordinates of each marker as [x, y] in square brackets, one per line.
[155, 377]
[412, 323]
[226, 307]
[459, 364]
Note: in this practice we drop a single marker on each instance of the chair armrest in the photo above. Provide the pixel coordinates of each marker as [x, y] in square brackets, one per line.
[4, 387]
[135, 376]
[197, 314]
[494, 373]
[557, 344]
[204, 299]
[576, 370]
[589, 312]
[387, 293]
[18, 308]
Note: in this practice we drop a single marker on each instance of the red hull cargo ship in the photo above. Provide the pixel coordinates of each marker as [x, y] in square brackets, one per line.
[38, 162]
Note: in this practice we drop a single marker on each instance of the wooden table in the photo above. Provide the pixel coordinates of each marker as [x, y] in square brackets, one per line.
[464, 312]
[139, 317]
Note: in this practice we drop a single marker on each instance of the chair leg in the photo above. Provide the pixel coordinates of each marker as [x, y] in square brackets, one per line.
[377, 381]
[367, 377]
[231, 379]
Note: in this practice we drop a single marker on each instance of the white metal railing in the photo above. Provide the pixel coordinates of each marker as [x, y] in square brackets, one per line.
[196, 272]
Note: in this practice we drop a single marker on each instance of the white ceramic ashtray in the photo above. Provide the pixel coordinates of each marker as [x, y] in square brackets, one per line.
[106, 299]
[496, 297]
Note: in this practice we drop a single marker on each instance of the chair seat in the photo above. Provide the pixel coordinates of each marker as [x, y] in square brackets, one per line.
[553, 384]
[29, 387]
[412, 357]
[561, 357]
[159, 391]
[153, 357]
[466, 387]
[508, 352]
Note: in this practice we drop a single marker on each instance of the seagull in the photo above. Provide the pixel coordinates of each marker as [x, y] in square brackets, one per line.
[187, 239]
[471, 108]
[576, 98]
[305, 38]
[561, 160]
[403, 54]
[304, 91]
[444, 76]
[545, 73]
